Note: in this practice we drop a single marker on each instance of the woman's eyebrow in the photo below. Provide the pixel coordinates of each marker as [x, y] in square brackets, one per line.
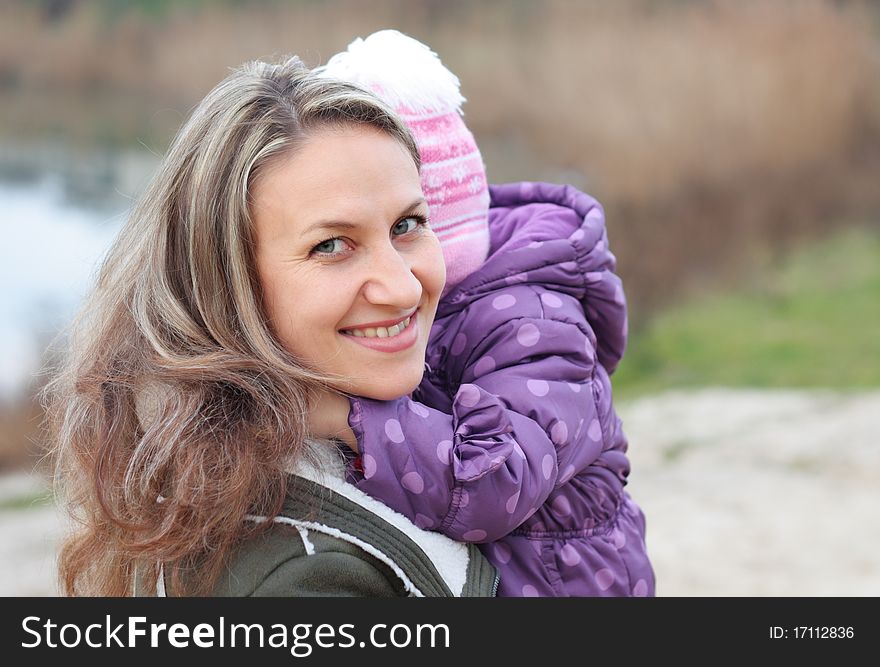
[329, 225]
[418, 202]
[324, 225]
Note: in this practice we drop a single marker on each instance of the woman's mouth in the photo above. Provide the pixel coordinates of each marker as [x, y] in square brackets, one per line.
[379, 332]
[389, 338]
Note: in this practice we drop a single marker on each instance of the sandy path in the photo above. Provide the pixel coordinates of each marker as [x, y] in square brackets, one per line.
[28, 539]
[759, 493]
[745, 492]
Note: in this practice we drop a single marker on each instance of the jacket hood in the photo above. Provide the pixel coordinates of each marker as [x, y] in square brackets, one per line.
[552, 236]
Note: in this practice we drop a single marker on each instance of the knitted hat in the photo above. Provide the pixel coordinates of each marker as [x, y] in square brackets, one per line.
[410, 78]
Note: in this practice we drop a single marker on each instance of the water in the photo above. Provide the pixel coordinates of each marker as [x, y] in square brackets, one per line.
[50, 252]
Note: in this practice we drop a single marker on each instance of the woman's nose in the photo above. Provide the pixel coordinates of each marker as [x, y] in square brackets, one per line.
[391, 280]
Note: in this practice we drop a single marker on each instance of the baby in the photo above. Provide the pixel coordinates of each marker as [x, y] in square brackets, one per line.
[511, 440]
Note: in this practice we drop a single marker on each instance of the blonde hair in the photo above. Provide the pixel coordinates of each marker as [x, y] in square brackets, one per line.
[176, 409]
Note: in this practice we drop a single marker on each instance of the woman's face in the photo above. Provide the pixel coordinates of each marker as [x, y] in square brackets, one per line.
[351, 274]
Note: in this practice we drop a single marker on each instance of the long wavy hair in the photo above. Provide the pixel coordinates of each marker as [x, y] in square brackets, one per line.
[175, 410]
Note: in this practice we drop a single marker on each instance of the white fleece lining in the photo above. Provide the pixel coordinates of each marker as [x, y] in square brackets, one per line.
[448, 556]
[307, 543]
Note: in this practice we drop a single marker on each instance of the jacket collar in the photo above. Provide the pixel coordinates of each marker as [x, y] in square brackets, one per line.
[428, 563]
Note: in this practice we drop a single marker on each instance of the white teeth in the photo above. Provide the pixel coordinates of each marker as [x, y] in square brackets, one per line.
[379, 332]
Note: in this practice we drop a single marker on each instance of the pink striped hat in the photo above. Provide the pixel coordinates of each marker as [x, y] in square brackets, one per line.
[410, 78]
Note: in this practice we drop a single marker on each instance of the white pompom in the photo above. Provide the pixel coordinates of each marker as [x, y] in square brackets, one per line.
[400, 69]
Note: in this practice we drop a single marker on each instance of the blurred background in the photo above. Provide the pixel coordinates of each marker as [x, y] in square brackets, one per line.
[735, 146]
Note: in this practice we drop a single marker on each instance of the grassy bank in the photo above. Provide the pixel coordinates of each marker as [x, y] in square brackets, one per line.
[814, 321]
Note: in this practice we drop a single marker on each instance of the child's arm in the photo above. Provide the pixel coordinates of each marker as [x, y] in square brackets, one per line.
[464, 474]
[523, 420]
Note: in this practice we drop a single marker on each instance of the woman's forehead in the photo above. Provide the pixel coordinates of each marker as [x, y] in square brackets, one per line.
[350, 175]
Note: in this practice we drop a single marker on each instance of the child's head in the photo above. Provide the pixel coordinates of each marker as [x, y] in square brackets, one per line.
[409, 77]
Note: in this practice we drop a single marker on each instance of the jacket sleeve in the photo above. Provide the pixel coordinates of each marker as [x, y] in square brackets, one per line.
[473, 475]
[523, 421]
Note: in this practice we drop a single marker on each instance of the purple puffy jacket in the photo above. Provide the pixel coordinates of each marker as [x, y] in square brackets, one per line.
[511, 440]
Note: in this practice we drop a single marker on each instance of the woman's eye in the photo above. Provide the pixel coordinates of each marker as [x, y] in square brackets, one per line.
[408, 224]
[329, 247]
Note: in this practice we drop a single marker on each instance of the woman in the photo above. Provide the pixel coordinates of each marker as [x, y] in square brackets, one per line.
[193, 414]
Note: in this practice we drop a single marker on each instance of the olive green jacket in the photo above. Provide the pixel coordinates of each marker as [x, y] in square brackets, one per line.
[331, 539]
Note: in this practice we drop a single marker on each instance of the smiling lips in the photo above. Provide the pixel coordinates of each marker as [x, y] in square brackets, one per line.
[379, 332]
[393, 337]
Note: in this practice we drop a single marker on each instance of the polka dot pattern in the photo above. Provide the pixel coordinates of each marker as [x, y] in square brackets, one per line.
[576, 388]
[561, 506]
[594, 432]
[535, 244]
[484, 366]
[528, 335]
[413, 482]
[510, 505]
[458, 344]
[444, 451]
[475, 535]
[577, 235]
[370, 466]
[529, 591]
[519, 451]
[394, 431]
[418, 409]
[640, 590]
[559, 433]
[503, 301]
[551, 300]
[569, 555]
[604, 579]
[618, 538]
[468, 395]
[502, 553]
[547, 466]
[423, 522]
[538, 387]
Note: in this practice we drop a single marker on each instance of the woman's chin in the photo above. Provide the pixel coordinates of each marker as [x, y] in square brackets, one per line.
[386, 393]
[384, 390]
